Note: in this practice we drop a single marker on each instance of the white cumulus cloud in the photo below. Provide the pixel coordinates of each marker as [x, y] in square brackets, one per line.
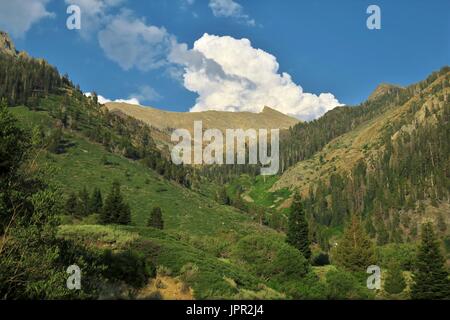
[17, 16]
[132, 43]
[94, 14]
[230, 75]
[144, 93]
[230, 8]
[227, 74]
[103, 100]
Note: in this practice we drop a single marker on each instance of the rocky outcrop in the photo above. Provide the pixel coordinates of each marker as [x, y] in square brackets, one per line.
[7, 45]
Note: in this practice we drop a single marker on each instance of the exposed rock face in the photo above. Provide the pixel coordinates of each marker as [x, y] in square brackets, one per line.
[383, 89]
[7, 45]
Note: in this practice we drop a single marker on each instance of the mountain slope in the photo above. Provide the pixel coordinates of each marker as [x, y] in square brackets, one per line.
[197, 230]
[391, 167]
[342, 153]
[160, 119]
[78, 144]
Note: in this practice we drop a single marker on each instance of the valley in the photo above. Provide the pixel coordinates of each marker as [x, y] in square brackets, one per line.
[94, 185]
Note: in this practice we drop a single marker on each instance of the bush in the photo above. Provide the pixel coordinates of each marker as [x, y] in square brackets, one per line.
[270, 259]
[345, 285]
[309, 288]
[320, 259]
[31, 269]
[403, 254]
[128, 266]
[163, 271]
[91, 219]
[188, 272]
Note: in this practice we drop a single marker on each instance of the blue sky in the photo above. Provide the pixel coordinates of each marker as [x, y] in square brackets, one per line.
[324, 45]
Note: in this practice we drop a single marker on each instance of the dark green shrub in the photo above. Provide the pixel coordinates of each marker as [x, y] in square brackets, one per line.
[129, 267]
[404, 254]
[320, 259]
[270, 259]
[395, 281]
[309, 288]
[345, 285]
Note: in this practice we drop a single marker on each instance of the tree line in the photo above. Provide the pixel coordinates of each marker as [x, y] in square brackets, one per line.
[355, 252]
[113, 210]
[33, 258]
[413, 168]
[24, 79]
[38, 85]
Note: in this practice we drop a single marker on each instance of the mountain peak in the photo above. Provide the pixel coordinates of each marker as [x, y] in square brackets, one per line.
[267, 109]
[7, 45]
[268, 118]
[383, 89]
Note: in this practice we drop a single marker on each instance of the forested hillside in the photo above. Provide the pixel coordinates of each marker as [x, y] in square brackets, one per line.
[99, 182]
[80, 185]
[391, 169]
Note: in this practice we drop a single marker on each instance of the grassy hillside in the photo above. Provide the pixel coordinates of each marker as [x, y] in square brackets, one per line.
[210, 277]
[197, 230]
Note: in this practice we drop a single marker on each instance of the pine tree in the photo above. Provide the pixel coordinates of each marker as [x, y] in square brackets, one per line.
[396, 231]
[96, 201]
[355, 251]
[72, 204]
[83, 209]
[383, 235]
[115, 209]
[156, 219]
[124, 216]
[298, 233]
[395, 281]
[370, 229]
[430, 275]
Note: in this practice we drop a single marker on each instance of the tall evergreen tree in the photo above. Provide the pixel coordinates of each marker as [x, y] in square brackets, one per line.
[83, 209]
[370, 228]
[430, 275]
[96, 201]
[298, 233]
[383, 235]
[156, 219]
[395, 281]
[124, 216]
[355, 251]
[115, 209]
[72, 204]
